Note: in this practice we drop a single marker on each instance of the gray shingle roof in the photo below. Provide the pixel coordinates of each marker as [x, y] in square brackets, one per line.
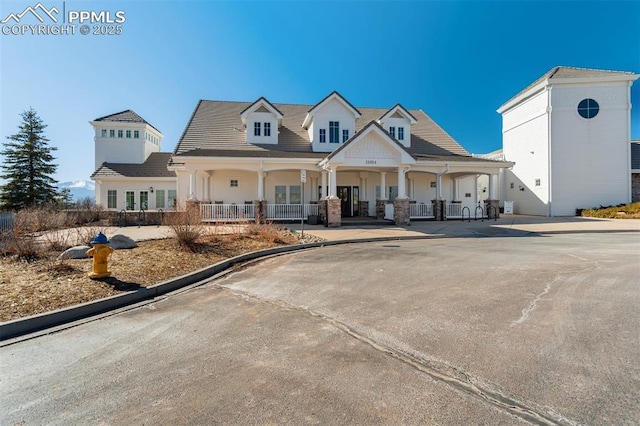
[127, 116]
[154, 167]
[571, 72]
[215, 129]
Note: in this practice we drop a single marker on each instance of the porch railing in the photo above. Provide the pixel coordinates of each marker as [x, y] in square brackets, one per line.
[454, 210]
[6, 221]
[227, 212]
[291, 211]
[421, 211]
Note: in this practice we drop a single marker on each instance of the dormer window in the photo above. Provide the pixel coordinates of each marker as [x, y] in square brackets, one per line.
[345, 135]
[267, 129]
[334, 132]
[256, 128]
[400, 133]
[392, 131]
[323, 135]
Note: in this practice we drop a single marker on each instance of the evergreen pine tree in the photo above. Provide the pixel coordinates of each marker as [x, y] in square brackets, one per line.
[28, 166]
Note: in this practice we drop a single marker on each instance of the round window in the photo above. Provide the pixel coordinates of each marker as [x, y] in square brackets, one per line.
[588, 108]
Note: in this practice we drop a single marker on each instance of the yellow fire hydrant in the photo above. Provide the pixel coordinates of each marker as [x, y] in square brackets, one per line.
[100, 253]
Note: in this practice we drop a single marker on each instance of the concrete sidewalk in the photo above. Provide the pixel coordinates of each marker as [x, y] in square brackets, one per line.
[514, 225]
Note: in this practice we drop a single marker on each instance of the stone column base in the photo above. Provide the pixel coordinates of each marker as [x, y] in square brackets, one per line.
[260, 211]
[363, 208]
[492, 207]
[439, 209]
[380, 204]
[334, 213]
[401, 214]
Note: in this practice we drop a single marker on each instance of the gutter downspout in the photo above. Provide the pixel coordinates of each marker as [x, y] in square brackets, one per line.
[629, 186]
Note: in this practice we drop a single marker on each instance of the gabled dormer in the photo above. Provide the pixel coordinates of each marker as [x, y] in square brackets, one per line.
[398, 121]
[331, 122]
[124, 137]
[262, 120]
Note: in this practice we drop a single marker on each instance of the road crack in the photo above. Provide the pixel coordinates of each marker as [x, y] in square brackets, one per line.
[465, 385]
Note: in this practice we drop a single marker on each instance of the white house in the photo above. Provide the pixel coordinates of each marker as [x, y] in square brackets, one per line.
[131, 172]
[260, 160]
[568, 134]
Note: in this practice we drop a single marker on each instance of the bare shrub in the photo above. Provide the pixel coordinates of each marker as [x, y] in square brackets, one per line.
[87, 211]
[23, 247]
[186, 226]
[38, 219]
[271, 233]
[85, 234]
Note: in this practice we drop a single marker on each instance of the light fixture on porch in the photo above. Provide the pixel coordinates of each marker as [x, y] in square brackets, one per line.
[151, 189]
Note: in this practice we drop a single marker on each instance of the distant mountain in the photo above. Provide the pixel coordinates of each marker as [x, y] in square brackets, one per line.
[79, 188]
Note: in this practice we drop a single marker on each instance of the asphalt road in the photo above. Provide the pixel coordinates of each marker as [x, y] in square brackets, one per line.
[538, 329]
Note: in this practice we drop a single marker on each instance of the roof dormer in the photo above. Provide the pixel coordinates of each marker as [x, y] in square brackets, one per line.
[262, 120]
[398, 121]
[330, 122]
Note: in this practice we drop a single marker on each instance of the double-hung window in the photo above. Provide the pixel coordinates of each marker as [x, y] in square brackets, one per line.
[112, 133]
[400, 133]
[392, 131]
[334, 132]
[267, 129]
[119, 133]
[323, 135]
[256, 128]
[112, 199]
[345, 135]
[104, 133]
[136, 134]
[128, 133]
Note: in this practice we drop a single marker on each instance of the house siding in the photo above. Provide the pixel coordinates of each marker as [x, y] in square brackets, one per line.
[590, 160]
[525, 135]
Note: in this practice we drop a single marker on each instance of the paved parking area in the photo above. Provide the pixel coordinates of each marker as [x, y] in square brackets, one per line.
[502, 330]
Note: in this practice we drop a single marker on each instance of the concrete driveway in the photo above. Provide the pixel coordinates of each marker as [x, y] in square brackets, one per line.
[503, 330]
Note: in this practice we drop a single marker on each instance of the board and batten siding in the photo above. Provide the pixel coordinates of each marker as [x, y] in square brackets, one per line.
[589, 157]
[525, 130]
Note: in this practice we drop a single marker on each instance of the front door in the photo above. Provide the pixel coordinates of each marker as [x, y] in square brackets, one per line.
[144, 200]
[130, 200]
[344, 193]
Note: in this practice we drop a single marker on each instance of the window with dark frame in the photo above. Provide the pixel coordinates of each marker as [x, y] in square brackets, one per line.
[334, 132]
[267, 129]
[400, 133]
[323, 135]
[256, 128]
[112, 133]
[392, 131]
[345, 135]
[233, 183]
[588, 108]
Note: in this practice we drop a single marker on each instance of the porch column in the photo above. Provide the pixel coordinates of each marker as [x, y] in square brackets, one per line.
[456, 189]
[192, 186]
[207, 186]
[412, 186]
[261, 176]
[314, 189]
[439, 186]
[383, 185]
[323, 190]
[492, 186]
[402, 183]
[333, 186]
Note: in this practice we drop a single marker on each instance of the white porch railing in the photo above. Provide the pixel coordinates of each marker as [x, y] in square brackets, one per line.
[454, 210]
[291, 211]
[227, 212]
[421, 211]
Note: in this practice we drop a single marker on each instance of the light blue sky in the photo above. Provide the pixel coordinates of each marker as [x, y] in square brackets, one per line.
[458, 61]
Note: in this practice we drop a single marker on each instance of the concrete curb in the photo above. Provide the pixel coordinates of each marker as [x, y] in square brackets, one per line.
[50, 320]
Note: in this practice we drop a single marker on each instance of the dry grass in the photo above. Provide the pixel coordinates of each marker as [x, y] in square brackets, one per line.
[622, 211]
[44, 284]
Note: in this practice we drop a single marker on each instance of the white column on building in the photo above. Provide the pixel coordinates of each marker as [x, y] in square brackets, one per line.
[261, 176]
[478, 192]
[333, 184]
[439, 186]
[383, 185]
[456, 189]
[323, 190]
[402, 183]
[492, 186]
[412, 186]
[192, 186]
[206, 187]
